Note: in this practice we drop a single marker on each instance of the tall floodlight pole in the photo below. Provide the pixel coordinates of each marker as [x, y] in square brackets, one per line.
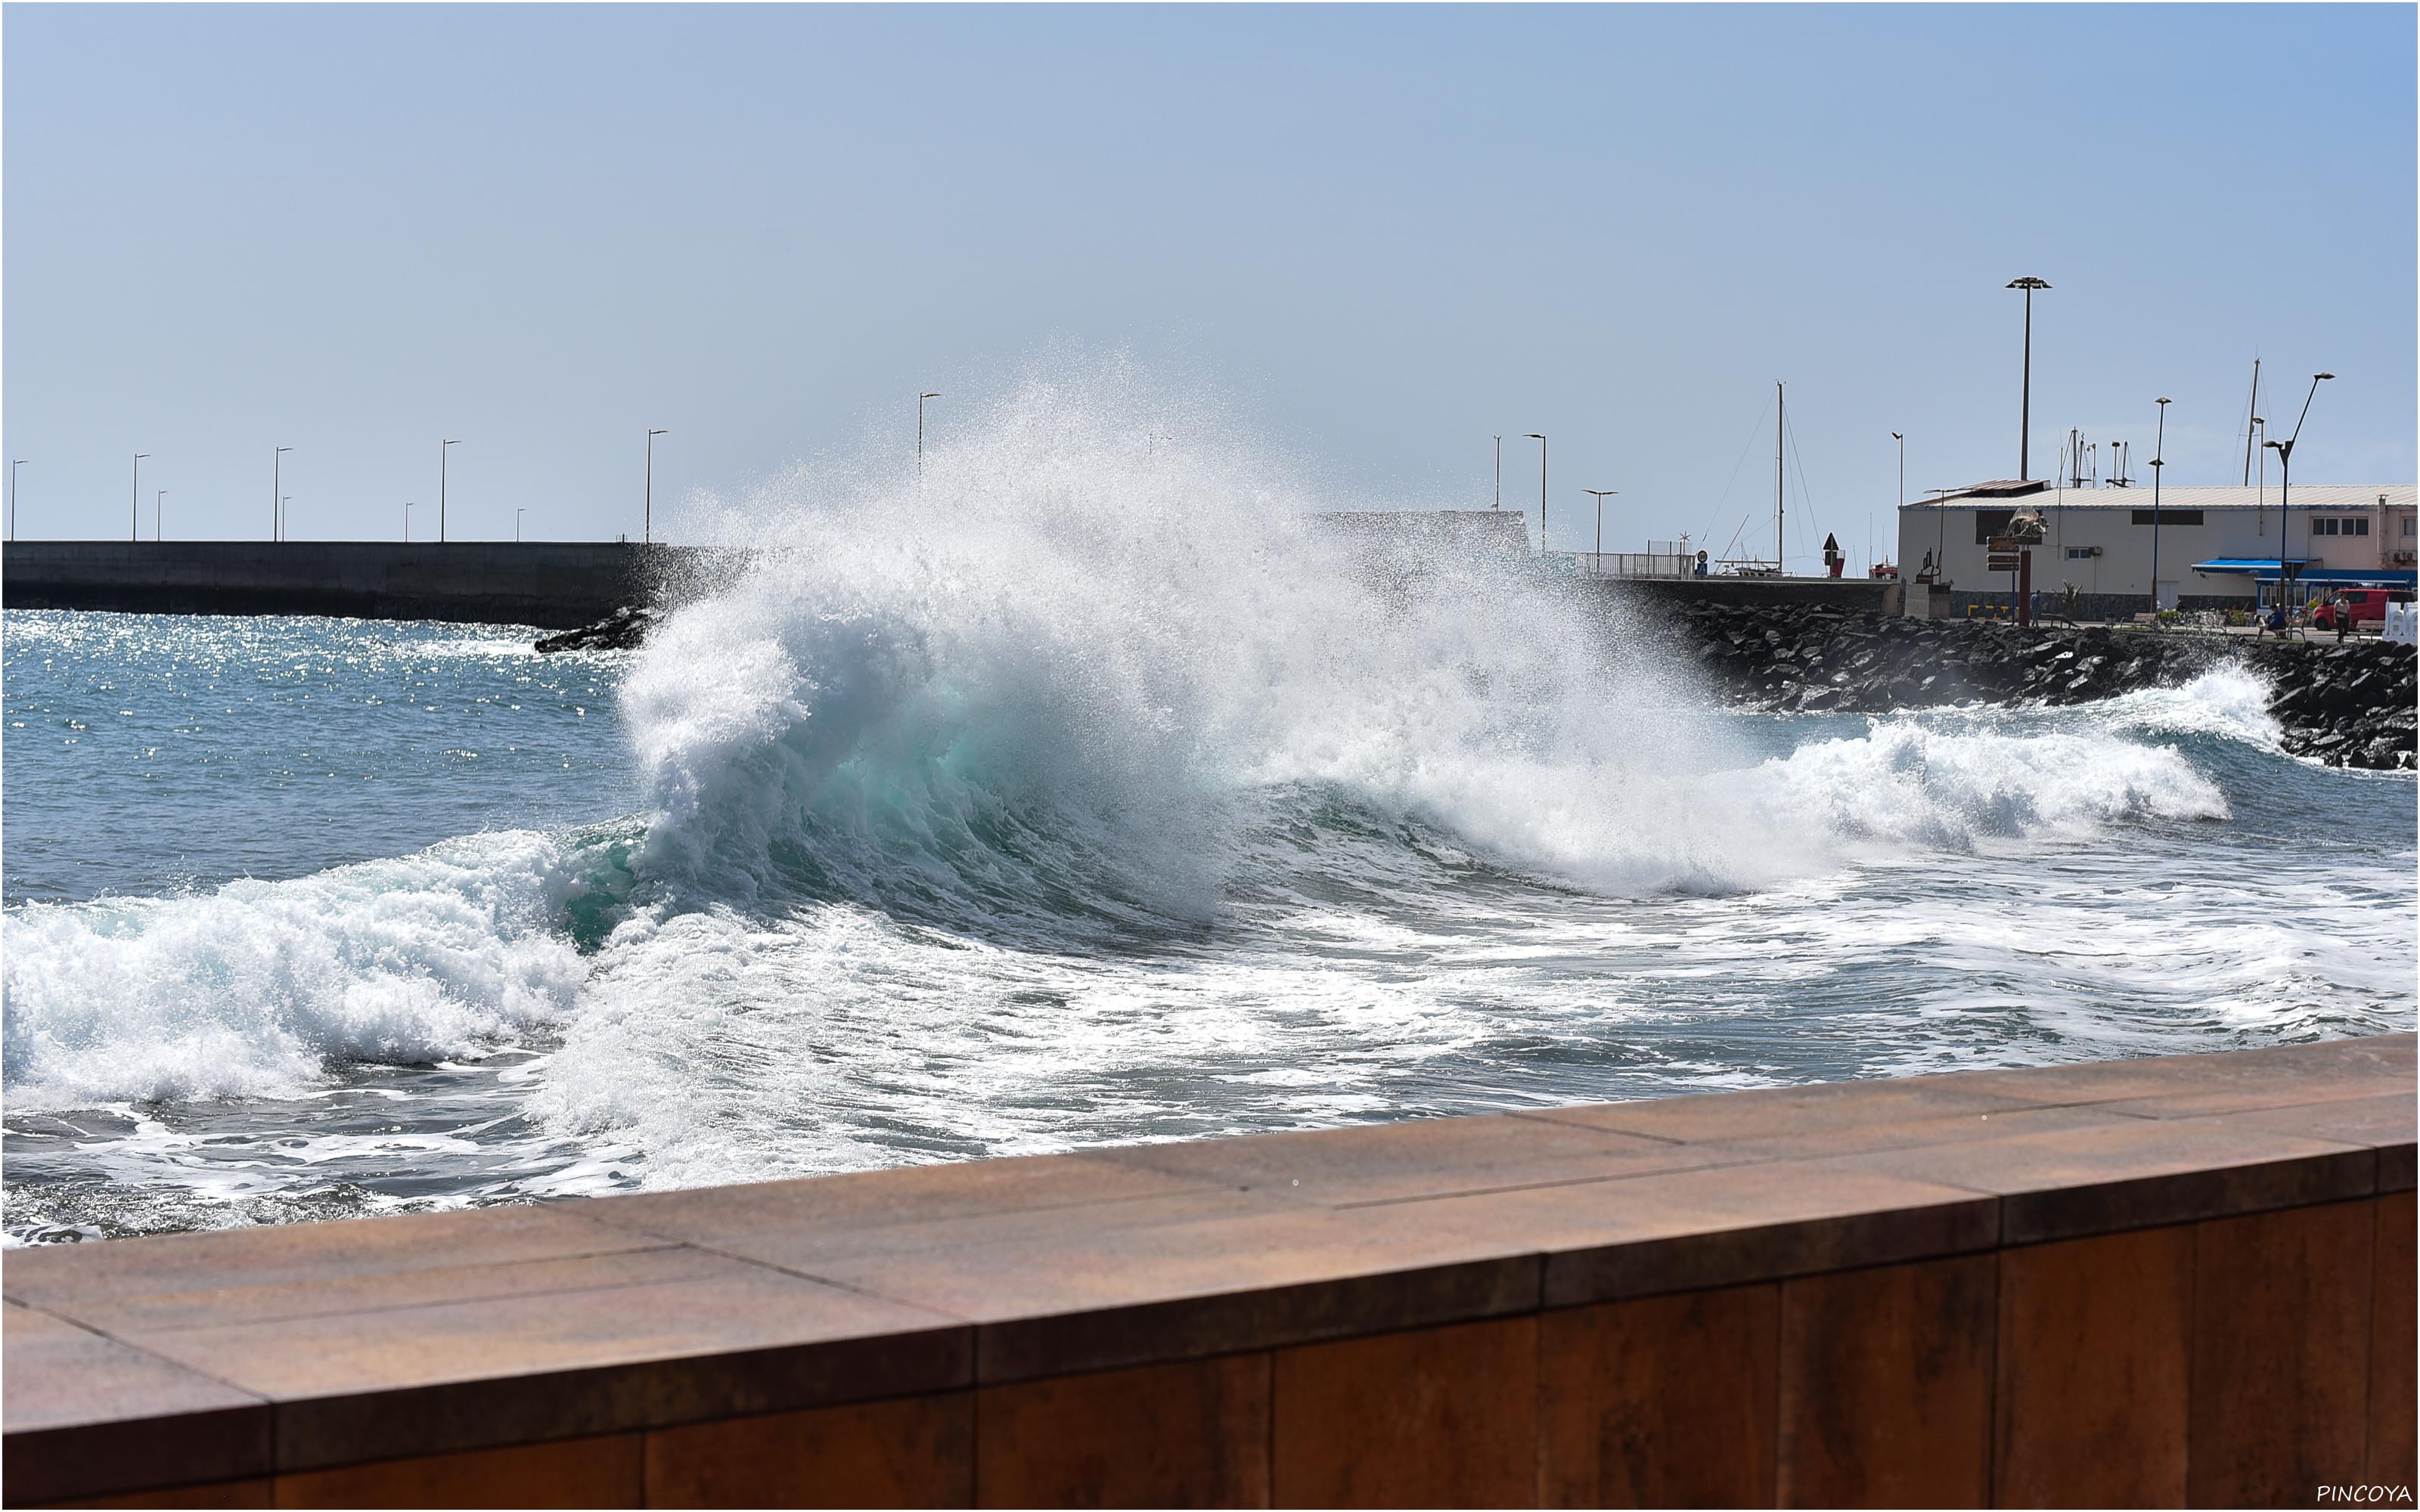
[517, 525]
[441, 489]
[1499, 474]
[1540, 438]
[920, 433]
[2284, 451]
[2025, 404]
[648, 518]
[1596, 561]
[2159, 461]
[406, 521]
[135, 503]
[276, 483]
[158, 507]
[12, 496]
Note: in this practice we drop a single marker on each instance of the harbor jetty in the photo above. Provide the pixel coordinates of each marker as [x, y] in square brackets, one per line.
[2349, 704]
[2185, 1281]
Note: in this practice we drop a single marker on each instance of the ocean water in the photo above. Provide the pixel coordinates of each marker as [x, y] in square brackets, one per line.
[1081, 795]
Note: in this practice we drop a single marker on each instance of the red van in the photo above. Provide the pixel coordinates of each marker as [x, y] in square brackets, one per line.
[2367, 606]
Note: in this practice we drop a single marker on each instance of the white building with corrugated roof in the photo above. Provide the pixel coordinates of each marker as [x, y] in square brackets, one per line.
[2216, 546]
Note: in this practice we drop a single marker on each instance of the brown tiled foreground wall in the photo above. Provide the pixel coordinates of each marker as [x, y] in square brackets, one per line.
[2155, 1282]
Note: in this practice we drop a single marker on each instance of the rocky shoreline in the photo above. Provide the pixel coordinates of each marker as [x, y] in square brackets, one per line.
[2348, 705]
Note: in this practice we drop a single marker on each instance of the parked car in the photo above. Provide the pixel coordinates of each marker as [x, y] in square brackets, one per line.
[2368, 606]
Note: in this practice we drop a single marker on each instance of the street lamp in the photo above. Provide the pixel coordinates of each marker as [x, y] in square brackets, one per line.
[2026, 411]
[2159, 461]
[276, 481]
[159, 507]
[1596, 563]
[2284, 451]
[647, 519]
[1499, 474]
[406, 521]
[1902, 467]
[134, 502]
[920, 433]
[441, 489]
[517, 525]
[12, 496]
[1540, 439]
[282, 511]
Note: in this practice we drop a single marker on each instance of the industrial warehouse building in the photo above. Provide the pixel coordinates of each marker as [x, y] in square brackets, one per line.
[2218, 547]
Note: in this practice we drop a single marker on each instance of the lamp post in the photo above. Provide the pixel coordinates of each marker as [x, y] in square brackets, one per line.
[2159, 461]
[920, 433]
[2284, 451]
[282, 511]
[2026, 405]
[441, 489]
[1902, 467]
[517, 525]
[406, 521]
[1499, 474]
[12, 496]
[1540, 438]
[134, 502]
[158, 507]
[648, 518]
[276, 481]
[1596, 561]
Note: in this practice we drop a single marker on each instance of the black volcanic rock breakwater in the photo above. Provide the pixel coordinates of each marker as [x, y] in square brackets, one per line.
[2347, 704]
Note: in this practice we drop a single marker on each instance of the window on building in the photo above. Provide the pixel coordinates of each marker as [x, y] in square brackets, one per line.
[2360, 527]
[2169, 517]
[2340, 527]
[2079, 553]
[2323, 527]
[2412, 526]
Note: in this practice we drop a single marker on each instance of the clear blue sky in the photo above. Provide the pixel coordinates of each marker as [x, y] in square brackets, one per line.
[1383, 234]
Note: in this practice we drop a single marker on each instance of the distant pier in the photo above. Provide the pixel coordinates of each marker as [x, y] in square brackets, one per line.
[553, 584]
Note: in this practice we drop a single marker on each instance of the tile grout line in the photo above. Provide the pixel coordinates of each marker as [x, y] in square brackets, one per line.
[449, 1302]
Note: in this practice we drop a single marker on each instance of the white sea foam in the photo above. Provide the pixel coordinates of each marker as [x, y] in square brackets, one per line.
[253, 989]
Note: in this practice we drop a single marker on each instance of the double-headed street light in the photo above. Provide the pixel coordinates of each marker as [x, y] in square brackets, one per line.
[2159, 449]
[1596, 561]
[276, 482]
[2284, 451]
[648, 518]
[2025, 409]
[1540, 438]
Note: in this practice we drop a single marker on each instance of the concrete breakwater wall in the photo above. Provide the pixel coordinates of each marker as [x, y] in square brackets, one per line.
[554, 584]
[2151, 1282]
[2349, 705]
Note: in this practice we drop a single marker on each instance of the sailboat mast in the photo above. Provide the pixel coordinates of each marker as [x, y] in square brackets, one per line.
[2250, 412]
[1777, 558]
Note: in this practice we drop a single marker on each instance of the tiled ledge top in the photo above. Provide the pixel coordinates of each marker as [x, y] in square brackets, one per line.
[192, 1357]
